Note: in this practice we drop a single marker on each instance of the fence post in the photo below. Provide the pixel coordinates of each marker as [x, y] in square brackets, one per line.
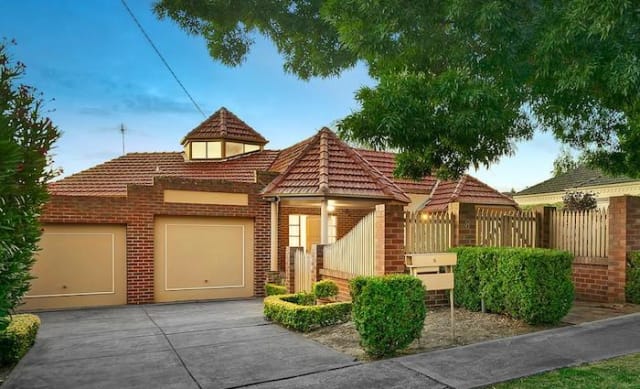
[389, 237]
[543, 226]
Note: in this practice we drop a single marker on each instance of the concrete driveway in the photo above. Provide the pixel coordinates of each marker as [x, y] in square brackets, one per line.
[194, 345]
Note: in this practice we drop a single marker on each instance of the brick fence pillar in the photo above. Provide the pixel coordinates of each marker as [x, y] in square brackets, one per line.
[289, 268]
[624, 237]
[464, 229]
[389, 236]
[317, 262]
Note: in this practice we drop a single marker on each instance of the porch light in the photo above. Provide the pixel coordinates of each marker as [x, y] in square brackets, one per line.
[331, 206]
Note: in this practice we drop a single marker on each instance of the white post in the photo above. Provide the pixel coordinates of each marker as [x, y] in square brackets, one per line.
[324, 222]
[274, 235]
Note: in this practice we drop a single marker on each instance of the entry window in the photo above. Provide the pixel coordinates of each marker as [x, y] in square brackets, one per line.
[295, 230]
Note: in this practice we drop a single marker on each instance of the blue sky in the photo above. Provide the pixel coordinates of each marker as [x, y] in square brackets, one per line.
[96, 71]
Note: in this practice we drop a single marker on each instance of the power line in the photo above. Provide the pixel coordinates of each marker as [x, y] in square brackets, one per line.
[124, 3]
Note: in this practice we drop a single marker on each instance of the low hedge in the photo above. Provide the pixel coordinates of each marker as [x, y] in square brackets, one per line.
[530, 284]
[388, 312]
[298, 312]
[632, 288]
[325, 289]
[274, 289]
[18, 338]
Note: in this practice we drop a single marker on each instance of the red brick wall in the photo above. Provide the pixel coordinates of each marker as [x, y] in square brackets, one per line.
[138, 211]
[343, 285]
[389, 230]
[590, 279]
[624, 237]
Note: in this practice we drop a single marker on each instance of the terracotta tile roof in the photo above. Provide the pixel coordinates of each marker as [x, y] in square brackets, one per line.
[111, 178]
[223, 124]
[324, 165]
[466, 190]
[579, 177]
[385, 162]
[288, 155]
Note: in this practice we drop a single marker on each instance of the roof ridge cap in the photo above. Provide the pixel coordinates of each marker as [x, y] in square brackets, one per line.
[323, 174]
[223, 121]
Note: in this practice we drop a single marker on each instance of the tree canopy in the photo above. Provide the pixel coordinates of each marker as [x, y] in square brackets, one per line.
[458, 81]
[26, 138]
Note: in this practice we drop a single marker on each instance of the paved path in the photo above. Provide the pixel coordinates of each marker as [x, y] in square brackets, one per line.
[229, 345]
[196, 345]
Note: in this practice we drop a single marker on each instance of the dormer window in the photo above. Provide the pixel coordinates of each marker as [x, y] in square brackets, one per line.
[217, 149]
[221, 136]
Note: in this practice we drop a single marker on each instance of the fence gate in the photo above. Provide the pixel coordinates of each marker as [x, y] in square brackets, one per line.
[302, 270]
[514, 229]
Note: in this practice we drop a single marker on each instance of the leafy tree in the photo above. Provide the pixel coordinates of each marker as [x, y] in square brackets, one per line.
[579, 201]
[25, 141]
[459, 81]
[566, 162]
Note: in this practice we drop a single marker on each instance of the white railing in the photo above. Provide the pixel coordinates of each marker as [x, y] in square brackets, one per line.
[583, 233]
[355, 252]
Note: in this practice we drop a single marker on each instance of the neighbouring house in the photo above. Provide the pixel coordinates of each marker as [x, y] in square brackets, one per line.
[212, 221]
[582, 179]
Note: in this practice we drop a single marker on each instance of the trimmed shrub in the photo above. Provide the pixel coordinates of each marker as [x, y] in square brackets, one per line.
[388, 312]
[537, 284]
[325, 289]
[18, 337]
[295, 311]
[632, 289]
[274, 289]
[530, 284]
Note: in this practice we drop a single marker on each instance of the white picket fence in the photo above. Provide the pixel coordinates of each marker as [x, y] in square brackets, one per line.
[302, 269]
[583, 233]
[355, 252]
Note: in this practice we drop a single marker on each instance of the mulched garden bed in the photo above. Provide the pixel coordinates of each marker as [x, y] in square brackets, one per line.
[471, 327]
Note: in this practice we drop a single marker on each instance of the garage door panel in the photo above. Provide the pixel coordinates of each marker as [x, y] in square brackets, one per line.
[78, 266]
[203, 258]
[213, 262]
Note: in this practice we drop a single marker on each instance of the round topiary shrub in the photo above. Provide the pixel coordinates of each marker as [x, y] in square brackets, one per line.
[325, 289]
[388, 312]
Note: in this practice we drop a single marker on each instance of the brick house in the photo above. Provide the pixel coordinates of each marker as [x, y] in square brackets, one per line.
[211, 221]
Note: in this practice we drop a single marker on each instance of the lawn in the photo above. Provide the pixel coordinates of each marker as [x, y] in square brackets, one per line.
[622, 372]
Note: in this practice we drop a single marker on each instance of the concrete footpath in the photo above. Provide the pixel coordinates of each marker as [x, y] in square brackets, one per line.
[486, 363]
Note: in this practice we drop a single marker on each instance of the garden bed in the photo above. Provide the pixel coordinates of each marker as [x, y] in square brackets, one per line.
[471, 327]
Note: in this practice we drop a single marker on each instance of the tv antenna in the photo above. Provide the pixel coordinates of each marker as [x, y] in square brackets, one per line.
[122, 131]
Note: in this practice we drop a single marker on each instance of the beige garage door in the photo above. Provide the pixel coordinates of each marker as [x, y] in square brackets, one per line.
[203, 258]
[79, 266]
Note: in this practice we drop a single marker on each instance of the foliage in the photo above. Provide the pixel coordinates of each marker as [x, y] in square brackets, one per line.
[619, 373]
[388, 312]
[458, 81]
[579, 201]
[632, 289]
[274, 289]
[294, 311]
[18, 337]
[325, 289]
[530, 284]
[25, 141]
[566, 162]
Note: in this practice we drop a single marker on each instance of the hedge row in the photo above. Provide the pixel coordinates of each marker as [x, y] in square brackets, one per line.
[530, 284]
[632, 289]
[274, 289]
[388, 312]
[18, 337]
[299, 312]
